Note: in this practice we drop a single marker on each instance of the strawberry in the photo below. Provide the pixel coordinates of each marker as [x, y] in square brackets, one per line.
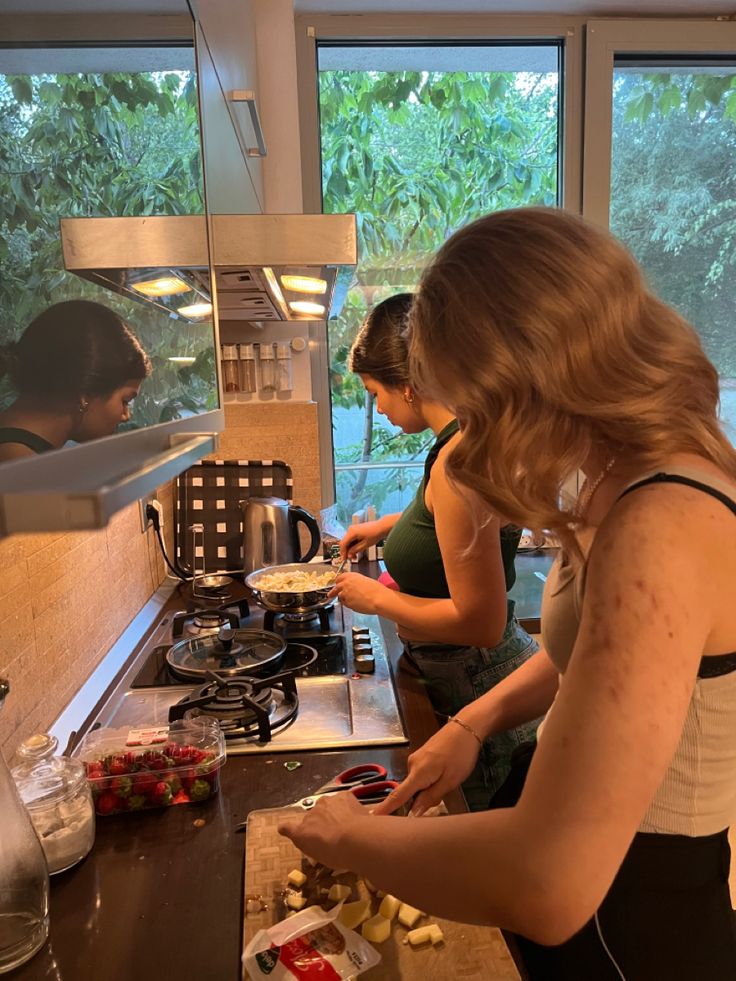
[108, 803]
[117, 767]
[144, 783]
[121, 786]
[181, 797]
[200, 790]
[136, 802]
[174, 782]
[162, 793]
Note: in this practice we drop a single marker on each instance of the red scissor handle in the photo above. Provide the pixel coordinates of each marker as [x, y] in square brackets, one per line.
[364, 773]
[374, 793]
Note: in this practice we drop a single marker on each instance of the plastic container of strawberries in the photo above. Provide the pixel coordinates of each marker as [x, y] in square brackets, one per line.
[138, 769]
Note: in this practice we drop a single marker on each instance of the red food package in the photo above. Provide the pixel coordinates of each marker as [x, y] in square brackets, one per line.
[311, 945]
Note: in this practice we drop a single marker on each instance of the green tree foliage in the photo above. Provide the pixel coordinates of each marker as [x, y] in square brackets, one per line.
[673, 193]
[106, 144]
[416, 155]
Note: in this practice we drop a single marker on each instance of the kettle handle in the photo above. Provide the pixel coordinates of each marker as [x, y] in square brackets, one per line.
[297, 514]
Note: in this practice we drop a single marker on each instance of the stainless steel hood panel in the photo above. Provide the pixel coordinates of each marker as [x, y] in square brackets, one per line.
[249, 254]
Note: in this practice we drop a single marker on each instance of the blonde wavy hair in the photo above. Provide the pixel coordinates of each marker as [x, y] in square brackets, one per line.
[539, 331]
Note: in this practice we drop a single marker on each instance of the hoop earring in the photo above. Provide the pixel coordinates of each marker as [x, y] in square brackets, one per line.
[83, 406]
[408, 398]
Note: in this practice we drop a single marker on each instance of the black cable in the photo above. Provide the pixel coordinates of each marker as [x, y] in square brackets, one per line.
[153, 516]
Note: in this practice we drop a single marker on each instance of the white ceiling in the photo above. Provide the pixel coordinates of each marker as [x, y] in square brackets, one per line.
[592, 8]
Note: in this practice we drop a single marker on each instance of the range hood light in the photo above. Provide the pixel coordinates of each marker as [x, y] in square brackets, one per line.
[307, 307]
[304, 284]
[162, 286]
[196, 310]
[182, 360]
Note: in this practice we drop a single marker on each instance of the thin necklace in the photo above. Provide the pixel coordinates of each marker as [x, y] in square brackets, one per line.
[590, 488]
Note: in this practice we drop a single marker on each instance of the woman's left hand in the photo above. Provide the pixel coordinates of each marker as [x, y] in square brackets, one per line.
[320, 832]
[359, 593]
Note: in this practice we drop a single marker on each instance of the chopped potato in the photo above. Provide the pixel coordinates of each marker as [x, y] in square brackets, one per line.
[353, 914]
[389, 907]
[377, 929]
[409, 916]
[296, 878]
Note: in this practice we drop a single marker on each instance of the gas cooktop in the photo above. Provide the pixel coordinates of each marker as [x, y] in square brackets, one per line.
[331, 688]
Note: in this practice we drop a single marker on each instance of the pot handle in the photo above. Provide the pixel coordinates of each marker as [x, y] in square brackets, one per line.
[297, 514]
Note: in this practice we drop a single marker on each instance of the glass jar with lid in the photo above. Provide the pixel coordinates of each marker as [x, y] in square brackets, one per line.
[230, 380]
[58, 799]
[268, 368]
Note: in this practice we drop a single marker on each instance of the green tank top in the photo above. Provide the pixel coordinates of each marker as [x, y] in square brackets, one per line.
[9, 434]
[412, 552]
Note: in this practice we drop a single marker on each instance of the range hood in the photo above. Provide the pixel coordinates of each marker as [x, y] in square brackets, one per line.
[267, 267]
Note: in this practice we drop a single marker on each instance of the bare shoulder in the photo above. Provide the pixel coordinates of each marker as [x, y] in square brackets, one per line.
[675, 543]
[14, 451]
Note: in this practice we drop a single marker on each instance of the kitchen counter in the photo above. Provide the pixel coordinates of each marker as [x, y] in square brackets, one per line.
[161, 894]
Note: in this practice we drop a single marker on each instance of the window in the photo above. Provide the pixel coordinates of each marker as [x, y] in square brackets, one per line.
[418, 139]
[661, 116]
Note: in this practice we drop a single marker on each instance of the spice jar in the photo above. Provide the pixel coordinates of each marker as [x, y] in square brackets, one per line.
[230, 367]
[284, 373]
[56, 794]
[247, 368]
[268, 368]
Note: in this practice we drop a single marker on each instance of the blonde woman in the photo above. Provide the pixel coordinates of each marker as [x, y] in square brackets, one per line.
[539, 331]
[451, 610]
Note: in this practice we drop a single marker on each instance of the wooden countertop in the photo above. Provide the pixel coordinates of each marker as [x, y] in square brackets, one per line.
[160, 897]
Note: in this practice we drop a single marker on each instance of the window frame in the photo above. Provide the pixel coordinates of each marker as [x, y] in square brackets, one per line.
[604, 40]
[311, 29]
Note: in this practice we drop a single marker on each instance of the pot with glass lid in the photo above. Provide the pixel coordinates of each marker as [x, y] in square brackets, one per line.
[229, 653]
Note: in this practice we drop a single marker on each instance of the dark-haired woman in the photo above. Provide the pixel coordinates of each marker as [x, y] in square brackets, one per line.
[453, 565]
[76, 369]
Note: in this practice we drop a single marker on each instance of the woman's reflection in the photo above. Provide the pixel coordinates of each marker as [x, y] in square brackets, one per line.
[75, 369]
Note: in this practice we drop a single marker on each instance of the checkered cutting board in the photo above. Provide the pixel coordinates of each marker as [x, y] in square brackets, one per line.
[209, 494]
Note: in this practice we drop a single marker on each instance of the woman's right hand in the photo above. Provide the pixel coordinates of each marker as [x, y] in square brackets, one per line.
[359, 537]
[435, 769]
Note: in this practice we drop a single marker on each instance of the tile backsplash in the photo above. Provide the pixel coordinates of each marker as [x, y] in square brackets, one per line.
[277, 431]
[65, 598]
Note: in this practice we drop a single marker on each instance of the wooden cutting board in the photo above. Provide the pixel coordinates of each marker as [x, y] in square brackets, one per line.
[470, 953]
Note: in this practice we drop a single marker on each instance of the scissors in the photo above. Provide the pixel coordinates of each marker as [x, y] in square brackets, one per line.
[367, 781]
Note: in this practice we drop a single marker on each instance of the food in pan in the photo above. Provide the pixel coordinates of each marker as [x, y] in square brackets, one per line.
[294, 581]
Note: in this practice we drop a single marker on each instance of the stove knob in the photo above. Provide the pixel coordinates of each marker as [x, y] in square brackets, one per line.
[226, 636]
[365, 663]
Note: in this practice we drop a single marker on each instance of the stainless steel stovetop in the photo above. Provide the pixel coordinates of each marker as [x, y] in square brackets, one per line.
[335, 709]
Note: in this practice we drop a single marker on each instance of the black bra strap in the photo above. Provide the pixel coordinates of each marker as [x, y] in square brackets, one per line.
[719, 664]
[674, 478]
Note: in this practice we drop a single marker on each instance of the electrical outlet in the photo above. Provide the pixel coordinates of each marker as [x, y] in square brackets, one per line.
[142, 505]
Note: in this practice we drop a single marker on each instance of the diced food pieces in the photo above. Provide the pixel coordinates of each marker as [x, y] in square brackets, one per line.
[353, 914]
[422, 935]
[296, 901]
[430, 934]
[338, 892]
[377, 929]
[296, 878]
[389, 907]
[408, 915]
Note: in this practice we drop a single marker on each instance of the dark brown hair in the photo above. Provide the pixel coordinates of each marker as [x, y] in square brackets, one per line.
[72, 349]
[380, 349]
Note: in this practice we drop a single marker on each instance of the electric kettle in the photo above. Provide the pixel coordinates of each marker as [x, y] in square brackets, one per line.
[271, 533]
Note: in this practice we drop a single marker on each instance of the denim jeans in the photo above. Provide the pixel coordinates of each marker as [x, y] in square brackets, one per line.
[456, 675]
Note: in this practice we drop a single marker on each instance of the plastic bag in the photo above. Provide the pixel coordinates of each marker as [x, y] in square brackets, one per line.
[312, 944]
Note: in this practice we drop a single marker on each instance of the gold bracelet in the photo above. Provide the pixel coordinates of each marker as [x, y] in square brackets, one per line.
[467, 728]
